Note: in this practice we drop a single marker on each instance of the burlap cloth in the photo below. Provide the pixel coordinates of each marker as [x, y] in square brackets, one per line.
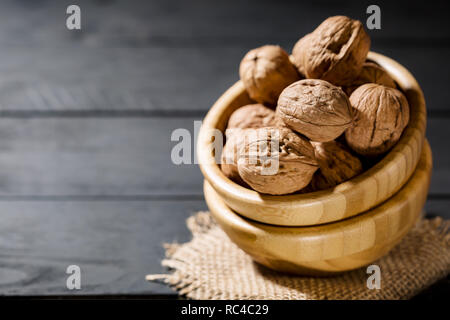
[210, 266]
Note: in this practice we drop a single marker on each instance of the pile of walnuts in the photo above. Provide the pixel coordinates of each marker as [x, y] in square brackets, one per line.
[318, 112]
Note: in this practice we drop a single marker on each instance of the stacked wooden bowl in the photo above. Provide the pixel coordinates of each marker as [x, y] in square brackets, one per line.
[335, 230]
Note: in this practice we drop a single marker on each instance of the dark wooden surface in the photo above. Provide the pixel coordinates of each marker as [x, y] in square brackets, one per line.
[86, 117]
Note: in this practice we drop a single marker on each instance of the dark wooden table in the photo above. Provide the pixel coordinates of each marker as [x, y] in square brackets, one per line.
[86, 119]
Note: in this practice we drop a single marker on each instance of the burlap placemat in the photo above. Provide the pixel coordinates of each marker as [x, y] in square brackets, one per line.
[210, 266]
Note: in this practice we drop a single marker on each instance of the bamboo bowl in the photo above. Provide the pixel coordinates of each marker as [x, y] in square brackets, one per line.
[348, 199]
[333, 247]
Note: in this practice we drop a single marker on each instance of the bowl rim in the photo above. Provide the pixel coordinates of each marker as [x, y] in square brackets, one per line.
[393, 217]
[410, 142]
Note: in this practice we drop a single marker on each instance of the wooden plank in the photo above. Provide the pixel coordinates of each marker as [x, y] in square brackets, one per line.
[142, 23]
[115, 243]
[114, 80]
[106, 157]
[158, 80]
[123, 157]
[166, 57]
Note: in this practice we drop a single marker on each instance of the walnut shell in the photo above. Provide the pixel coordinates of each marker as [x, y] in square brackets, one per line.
[230, 152]
[265, 72]
[371, 73]
[294, 156]
[335, 51]
[316, 109]
[336, 165]
[381, 115]
[298, 49]
[252, 116]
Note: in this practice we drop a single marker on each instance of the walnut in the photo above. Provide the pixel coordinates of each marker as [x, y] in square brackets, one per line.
[335, 51]
[265, 72]
[276, 161]
[371, 73]
[230, 155]
[252, 116]
[299, 47]
[316, 109]
[336, 165]
[279, 123]
[381, 115]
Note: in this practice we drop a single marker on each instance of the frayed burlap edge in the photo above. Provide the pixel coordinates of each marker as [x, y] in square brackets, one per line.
[210, 266]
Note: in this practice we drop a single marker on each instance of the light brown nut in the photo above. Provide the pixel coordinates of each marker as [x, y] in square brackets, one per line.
[265, 72]
[279, 122]
[336, 165]
[297, 52]
[278, 169]
[335, 51]
[381, 115]
[371, 73]
[228, 164]
[252, 116]
[316, 109]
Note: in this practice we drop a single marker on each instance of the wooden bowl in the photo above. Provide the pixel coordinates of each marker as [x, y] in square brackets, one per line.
[345, 200]
[333, 247]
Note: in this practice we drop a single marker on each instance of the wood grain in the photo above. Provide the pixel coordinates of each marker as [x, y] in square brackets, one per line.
[147, 50]
[75, 157]
[144, 23]
[333, 247]
[115, 243]
[111, 80]
[67, 80]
